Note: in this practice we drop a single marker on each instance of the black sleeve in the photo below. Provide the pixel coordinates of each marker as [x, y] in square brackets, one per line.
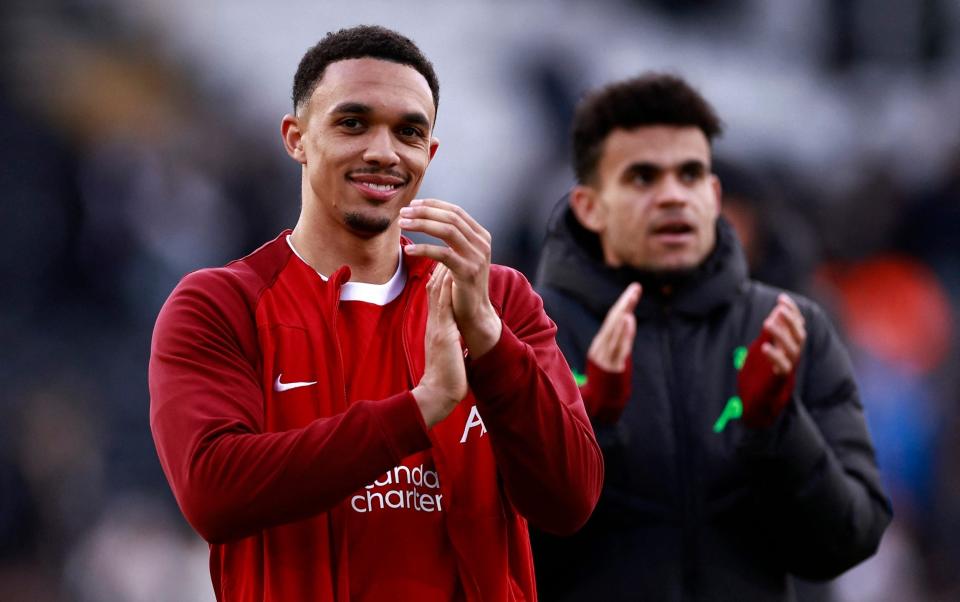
[817, 464]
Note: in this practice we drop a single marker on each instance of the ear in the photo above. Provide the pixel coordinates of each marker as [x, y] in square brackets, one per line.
[293, 138]
[717, 193]
[434, 145]
[586, 205]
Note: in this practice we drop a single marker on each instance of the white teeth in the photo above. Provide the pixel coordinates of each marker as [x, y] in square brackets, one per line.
[381, 187]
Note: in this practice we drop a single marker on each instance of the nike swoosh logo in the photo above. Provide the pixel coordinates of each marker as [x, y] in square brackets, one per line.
[280, 387]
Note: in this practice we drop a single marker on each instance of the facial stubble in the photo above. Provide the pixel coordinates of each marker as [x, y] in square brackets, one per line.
[366, 224]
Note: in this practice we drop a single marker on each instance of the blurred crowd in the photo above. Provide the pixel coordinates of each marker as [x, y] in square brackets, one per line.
[123, 167]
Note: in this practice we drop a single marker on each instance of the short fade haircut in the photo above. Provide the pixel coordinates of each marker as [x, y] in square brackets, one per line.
[362, 41]
[651, 99]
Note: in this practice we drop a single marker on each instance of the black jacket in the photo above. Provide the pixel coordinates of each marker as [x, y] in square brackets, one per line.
[687, 513]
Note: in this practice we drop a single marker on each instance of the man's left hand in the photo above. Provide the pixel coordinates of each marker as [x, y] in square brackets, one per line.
[766, 382]
[786, 335]
[467, 256]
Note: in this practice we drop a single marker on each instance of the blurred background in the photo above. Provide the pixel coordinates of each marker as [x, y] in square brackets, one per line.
[139, 141]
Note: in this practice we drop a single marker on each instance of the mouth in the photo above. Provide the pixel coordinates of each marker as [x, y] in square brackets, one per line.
[377, 187]
[673, 232]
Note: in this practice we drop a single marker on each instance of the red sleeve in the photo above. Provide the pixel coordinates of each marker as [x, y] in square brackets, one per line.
[545, 449]
[229, 477]
[605, 394]
[764, 394]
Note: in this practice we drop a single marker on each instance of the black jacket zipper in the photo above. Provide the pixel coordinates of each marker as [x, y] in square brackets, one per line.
[683, 466]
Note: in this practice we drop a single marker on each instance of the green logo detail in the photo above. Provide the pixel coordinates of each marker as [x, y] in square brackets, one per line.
[581, 379]
[734, 408]
[732, 411]
[739, 357]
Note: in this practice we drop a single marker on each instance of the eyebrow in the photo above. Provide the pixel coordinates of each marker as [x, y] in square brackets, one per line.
[657, 167]
[358, 108]
[644, 166]
[355, 108]
[417, 118]
[695, 164]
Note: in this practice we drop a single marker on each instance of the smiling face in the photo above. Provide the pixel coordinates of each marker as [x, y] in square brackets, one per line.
[653, 202]
[364, 140]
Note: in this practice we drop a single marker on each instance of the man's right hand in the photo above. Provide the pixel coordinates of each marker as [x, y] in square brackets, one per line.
[612, 344]
[607, 389]
[444, 381]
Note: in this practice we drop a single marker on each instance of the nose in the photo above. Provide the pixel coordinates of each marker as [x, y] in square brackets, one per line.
[380, 148]
[672, 191]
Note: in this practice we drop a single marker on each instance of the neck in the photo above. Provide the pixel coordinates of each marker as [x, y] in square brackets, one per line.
[371, 259]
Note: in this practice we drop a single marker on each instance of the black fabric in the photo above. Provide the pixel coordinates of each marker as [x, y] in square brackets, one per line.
[688, 514]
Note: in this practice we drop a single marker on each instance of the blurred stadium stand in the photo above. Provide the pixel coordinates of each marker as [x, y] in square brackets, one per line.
[140, 141]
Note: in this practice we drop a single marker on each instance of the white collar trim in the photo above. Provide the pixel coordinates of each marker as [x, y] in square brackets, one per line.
[378, 294]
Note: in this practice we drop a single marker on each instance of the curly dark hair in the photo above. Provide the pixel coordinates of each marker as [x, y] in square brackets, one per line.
[651, 99]
[362, 41]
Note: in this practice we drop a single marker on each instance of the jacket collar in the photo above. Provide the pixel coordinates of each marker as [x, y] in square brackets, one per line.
[417, 267]
[572, 263]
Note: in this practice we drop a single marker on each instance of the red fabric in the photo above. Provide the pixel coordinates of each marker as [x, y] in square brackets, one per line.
[398, 516]
[266, 476]
[764, 394]
[369, 337]
[605, 394]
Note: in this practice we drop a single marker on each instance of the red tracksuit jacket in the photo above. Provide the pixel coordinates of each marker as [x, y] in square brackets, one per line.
[267, 483]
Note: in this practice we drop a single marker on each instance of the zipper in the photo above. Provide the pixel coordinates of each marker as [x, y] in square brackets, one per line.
[411, 282]
[683, 464]
[336, 338]
[335, 518]
[439, 462]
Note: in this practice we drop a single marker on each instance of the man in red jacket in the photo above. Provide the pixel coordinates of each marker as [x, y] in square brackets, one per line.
[346, 415]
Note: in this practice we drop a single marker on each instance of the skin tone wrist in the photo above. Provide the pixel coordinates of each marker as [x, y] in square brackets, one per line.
[432, 403]
[484, 334]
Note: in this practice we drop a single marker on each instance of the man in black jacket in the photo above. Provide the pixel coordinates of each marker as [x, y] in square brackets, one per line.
[735, 444]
